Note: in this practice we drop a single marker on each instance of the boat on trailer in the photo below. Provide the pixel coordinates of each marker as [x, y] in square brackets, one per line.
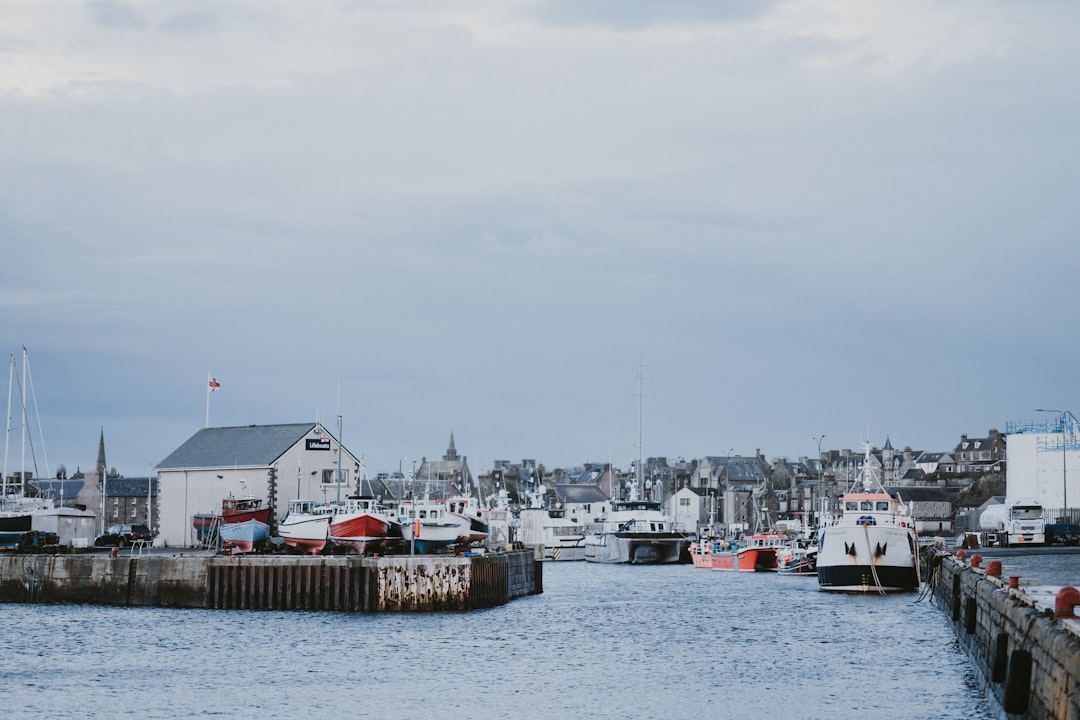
[306, 526]
[244, 536]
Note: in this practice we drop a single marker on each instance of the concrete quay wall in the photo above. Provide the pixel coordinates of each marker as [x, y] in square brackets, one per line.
[280, 582]
[1025, 659]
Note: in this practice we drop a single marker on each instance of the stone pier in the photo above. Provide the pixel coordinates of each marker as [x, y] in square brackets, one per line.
[275, 582]
[1026, 659]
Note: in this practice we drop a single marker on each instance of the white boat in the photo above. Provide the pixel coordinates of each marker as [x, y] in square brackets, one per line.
[468, 514]
[870, 545]
[562, 538]
[16, 507]
[427, 526]
[306, 526]
[636, 532]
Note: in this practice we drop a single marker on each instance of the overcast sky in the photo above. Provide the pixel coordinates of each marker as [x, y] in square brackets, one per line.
[800, 218]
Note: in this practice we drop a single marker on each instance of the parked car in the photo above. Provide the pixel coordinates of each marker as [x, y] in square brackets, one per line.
[123, 535]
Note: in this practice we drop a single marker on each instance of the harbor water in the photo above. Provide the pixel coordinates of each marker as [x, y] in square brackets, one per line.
[602, 641]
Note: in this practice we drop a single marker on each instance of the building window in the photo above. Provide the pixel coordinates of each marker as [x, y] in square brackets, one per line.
[328, 477]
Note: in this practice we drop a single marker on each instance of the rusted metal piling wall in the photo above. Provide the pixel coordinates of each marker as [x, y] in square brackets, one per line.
[335, 583]
[1025, 659]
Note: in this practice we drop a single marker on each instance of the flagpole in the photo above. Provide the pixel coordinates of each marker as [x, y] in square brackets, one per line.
[207, 399]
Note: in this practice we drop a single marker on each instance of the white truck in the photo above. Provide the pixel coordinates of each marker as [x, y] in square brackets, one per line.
[1014, 522]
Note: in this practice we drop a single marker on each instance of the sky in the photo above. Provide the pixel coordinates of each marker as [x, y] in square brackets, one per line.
[564, 230]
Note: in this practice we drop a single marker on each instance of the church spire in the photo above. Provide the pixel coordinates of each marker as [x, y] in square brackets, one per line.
[451, 452]
[101, 455]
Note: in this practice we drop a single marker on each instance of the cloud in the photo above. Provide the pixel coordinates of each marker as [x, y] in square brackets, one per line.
[473, 212]
[640, 14]
[116, 15]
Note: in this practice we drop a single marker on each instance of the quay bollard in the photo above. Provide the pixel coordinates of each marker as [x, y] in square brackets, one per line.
[1014, 582]
[993, 569]
[961, 555]
[1067, 599]
[976, 560]
[115, 552]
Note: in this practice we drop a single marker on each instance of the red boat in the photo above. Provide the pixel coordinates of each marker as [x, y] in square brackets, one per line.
[758, 554]
[360, 525]
[242, 509]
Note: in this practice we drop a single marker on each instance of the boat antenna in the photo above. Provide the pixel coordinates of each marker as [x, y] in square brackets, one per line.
[339, 470]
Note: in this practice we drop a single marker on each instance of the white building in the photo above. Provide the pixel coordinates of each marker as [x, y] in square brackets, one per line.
[277, 463]
[1044, 463]
[690, 510]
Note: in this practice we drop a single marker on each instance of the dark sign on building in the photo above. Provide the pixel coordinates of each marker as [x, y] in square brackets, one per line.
[318, 443]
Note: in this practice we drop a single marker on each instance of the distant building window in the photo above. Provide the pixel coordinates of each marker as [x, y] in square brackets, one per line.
[684, 502]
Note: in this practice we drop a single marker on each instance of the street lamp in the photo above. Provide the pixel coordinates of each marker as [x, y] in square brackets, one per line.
[1064, 474]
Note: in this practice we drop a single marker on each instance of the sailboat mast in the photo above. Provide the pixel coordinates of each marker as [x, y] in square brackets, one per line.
[7, 432]
[22, 433]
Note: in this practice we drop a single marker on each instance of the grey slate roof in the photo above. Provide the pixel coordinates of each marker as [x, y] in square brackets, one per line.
[248, 446]
[130, 487]
[580, 493]
[67, 489]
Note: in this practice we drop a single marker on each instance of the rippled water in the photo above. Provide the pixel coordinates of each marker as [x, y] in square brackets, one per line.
[602, 641]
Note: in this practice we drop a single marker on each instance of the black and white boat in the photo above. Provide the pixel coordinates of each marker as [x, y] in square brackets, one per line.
[870, 545]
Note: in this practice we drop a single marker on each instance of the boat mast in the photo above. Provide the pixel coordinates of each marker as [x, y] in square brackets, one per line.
[7, 432]
[638, 474]
[22, 434]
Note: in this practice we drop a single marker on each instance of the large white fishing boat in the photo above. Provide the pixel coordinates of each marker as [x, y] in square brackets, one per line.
[870, 545]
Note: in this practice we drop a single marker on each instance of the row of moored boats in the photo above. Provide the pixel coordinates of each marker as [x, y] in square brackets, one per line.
[356, 525]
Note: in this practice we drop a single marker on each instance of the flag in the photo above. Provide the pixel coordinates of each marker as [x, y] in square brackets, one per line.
[214, 384]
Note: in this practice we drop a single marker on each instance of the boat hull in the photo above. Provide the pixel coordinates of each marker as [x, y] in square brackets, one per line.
[243, 537]
[759, 556]
[308, 534]
[634, 548]
[564, 552]
[360, 533]
[867, 558]
[427, 538]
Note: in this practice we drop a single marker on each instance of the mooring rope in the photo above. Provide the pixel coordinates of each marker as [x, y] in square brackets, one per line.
[870, 553]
